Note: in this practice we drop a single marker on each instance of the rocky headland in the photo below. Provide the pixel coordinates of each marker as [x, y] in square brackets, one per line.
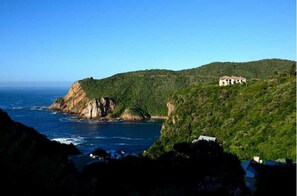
[142, 95]
[77, 102]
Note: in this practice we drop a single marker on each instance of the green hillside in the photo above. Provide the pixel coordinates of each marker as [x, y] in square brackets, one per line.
[257, 118]
[148, 91]
[255, 69]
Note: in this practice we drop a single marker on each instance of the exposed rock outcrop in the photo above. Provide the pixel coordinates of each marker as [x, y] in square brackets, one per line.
[74, 101]
[98, 108]
[77, 102]
[170, 108]
[59, 104]
[132, 114]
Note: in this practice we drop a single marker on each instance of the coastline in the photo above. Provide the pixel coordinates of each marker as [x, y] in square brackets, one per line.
[159, 117]
[107, 119]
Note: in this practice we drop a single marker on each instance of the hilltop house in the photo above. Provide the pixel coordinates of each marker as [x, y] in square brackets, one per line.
[227, 80]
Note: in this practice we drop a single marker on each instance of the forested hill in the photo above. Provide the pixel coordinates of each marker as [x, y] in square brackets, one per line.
[254, 119]
[254, 69]
[148, 91]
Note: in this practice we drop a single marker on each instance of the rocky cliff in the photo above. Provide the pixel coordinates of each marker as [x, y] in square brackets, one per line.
[150, 90]
[170, 108]
[98, 108]
[74, 101]
[133, 114]
[77, 102]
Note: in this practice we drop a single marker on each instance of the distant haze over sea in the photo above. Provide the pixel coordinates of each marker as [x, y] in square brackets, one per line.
[62, 84]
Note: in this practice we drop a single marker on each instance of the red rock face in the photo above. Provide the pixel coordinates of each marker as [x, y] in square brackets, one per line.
[76, 101]
[170, 107]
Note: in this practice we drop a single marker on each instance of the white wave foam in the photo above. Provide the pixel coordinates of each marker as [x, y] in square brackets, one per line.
[120, 144]
[71, 119]
[38, 108]
[69, 140]
[92, 121]
[127, 138]
[118, 137]
[100, 137]
[17, 108]
[127, 144]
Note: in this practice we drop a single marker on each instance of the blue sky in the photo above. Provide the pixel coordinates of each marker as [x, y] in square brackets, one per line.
[60, 40]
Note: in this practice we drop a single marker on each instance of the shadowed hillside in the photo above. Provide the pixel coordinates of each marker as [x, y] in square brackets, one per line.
[30, 163]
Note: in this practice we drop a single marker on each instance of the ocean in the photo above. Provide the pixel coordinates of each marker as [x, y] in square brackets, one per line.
[29, 106]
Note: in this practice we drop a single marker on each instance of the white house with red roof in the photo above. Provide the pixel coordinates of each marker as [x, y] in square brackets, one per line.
[227, 80]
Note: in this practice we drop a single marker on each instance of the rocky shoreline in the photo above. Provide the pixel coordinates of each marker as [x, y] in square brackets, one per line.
[77, 102]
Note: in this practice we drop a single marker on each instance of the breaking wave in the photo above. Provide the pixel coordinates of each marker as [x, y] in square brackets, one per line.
[38, 108]
[69, 140]
[70, 119]
[127, 138]
[117, 137]
[17, 108]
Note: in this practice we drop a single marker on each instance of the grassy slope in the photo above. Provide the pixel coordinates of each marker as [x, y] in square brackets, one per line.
[258, 118]
[254, 69]
[149, 90]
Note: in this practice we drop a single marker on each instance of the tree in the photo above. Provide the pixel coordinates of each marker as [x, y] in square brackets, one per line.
[101, 153]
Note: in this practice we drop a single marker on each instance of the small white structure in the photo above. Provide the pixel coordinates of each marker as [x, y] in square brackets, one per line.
[206, 138]
[257, 159]
[227, 80]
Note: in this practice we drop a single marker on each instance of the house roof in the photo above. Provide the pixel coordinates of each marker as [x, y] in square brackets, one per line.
[231, 77]
[207, 138]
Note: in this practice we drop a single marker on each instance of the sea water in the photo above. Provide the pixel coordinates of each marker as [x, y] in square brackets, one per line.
[29, 106]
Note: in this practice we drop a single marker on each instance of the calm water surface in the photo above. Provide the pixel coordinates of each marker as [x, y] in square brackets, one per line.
[28, 106]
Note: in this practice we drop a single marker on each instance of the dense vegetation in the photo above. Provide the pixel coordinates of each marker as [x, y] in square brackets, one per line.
[253, 119]
[189, 169]
[30, 164]
[139, 91]
[148, 91]
[254, 69]
[275, 179]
